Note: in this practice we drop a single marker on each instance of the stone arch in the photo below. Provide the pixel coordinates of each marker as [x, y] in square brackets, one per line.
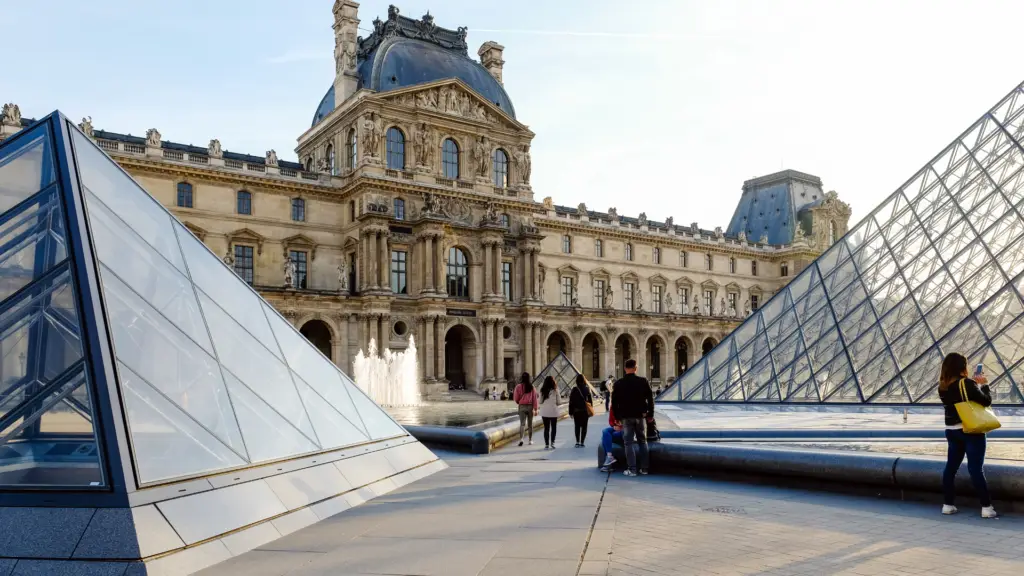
[656, 360]
[553, 347]
[708, 344]
[593, 355]
[463, 357]
[462, 152]
[625, 347]
[307, 318]
[319, 334]
[682, 353]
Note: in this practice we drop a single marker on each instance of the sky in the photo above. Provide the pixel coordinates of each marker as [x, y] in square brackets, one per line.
[656, 106]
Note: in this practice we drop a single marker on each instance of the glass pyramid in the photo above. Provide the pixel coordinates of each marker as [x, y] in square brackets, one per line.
[119, 328]
[563, 372]
[936, 268]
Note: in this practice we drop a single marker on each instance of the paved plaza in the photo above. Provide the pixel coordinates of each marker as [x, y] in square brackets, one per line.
[527, 511]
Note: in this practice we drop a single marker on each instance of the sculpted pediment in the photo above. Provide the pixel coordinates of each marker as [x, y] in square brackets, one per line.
[454, 98]
[568, 270]
[658, 279]
[684, 282]
[300, 241]
[600, 273]
[247, 236]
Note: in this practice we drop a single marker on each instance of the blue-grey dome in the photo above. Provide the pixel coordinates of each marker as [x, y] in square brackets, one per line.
[403, 52]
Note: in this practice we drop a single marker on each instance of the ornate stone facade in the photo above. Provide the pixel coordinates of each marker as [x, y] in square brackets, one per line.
[411, 214]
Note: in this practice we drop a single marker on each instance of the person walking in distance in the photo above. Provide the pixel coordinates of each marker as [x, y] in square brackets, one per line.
[960, 443]
[550, 401]
[633, 402]
[525, 398]
[581, 408]
[606, 391]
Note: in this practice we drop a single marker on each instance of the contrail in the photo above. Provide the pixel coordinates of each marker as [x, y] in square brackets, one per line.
[645, 35]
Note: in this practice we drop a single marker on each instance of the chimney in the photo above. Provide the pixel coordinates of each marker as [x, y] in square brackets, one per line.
[346, 22]
[490, 56]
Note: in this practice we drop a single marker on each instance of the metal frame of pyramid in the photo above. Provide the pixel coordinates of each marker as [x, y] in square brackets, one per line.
[564, 372]
[152, 405]
[938, 267]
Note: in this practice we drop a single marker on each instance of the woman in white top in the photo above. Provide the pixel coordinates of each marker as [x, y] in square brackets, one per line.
[549, 403]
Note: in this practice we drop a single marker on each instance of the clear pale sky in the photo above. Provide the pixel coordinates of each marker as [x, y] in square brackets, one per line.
[662, 106]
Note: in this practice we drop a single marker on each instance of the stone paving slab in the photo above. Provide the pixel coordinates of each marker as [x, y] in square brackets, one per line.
[552, 513]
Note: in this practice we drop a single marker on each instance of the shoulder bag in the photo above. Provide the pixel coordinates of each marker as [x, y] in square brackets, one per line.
[976, 418]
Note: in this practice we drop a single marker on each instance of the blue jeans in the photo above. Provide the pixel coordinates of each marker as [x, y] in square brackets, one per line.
[608, 437]
[633, 431]
[973, 446]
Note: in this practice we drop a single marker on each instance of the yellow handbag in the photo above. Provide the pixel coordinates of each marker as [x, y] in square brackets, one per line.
[976, 418]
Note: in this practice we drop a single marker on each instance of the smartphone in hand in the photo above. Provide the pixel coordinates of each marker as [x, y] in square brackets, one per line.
[979, 369]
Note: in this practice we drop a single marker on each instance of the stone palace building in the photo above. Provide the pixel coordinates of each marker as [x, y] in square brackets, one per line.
[410, 214]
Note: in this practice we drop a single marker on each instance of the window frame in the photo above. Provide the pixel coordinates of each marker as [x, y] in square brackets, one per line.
[709, 262]
[506, 280]
[395, 148]
[186, 195]
[732, 265]
[331, 166]
[300, 204]
[239, 251]
[628, 251]
[247, 198]
[599, 292]
[684, 259]
[598, 248]
[567, 284]
[566, 244]
[398, 208]
[753, 267]
[754, 301]
[656, 255]
[709, 302]
[457, 274]
[450, 159]
[399, 271]
[506, 221]
[301, 279]
[352, 149]
[629, 296]
[657, 297]
[500, 168]
[784, 270]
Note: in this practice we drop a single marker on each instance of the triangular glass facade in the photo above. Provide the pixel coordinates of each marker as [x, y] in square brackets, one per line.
[207, 376]
[936, 268]
[562, 370]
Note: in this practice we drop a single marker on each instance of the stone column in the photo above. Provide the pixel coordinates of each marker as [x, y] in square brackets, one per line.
[499, 353]
[538, 350]
[527, 338]
[485, 352]
[531, 273]
[426, 364]
[341, 355]
[385, 262]
[382, 336]
[439, 347]
[439, 281]
[488, 259]
[497, 269]
[367, 332]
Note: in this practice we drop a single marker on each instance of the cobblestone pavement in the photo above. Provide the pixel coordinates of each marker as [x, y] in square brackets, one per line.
[524, 510]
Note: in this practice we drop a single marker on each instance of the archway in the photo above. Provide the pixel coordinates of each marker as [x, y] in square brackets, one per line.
[558, 342]
[654, 354]
[460, 358]
[592, 357]
[625, 348]
[708, 345]
[319, 335]
[682, 355]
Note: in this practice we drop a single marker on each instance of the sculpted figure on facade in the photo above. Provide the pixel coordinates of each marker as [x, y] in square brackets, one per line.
[694, 228]
[271, 158]
[540, 277]
[742, 236]
[423, 145]
[639, 300]
[719, 235]
[686, 305]
[798, 234]
[613, 214]
[289, 272]
[763, 239]
[721, 307]
[642, 220]
[153, 138]
[732, 310]
[481, 153]
[214, 149]
[549, 204]
[670, 222]
[668, 304]
[86, 126]
[608, 296]
[696, 305]
[372, 130]
[523, 163]
[342, 277]
[229, 259]
[581, 210]
[11, 115]
[490, 215]
[746, 308]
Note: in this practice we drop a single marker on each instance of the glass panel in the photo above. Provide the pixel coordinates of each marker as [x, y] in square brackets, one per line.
[912, 343]
[1000, 311]
[267, 435]
[147, 273]
[378, 423]
[240, 353]
[851, 297]
[965, 339]
[32, 241]
[923, 375]
[982, 285]
[876, 374]
[50, 440]
[333, 429]
[831, 377]
[169, 361]
[857, 322]
[845, 393]
[946, 315]
[1010, 343]
[801, 387]
[318, 372]
[224, 287]
[101, 176]
[166, 442]
[867, 347]
[892, 393]
[26, 167]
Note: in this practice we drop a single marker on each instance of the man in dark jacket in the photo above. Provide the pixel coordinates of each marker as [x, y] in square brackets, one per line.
[633, 403]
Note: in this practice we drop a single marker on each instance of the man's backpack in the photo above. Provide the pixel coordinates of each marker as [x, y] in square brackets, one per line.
[653, 435]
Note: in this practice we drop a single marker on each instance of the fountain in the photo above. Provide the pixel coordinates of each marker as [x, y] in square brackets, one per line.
[390, 379]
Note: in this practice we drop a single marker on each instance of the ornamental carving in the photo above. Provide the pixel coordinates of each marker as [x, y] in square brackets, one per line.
[271, 158]
[214, 149]
[86, 126]
[453, 209]
[449, 99]
[11, 115]
[423, 144]
[581, 210]
[153, 138]
[422, 29]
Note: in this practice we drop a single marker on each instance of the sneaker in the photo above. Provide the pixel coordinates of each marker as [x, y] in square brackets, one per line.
[989, 512]
[605, 469]
[949, 509]
[582, 445]
[520, 442]
[546, 447]
[531, 442]
[609, 460]
[629, 473]
[643, 472]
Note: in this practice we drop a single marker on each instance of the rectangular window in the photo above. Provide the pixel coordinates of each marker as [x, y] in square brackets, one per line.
[567, 244]
[298, 210]
[184, 195]
[599, 289]
[506, 280]
[505, 221]
[732, 302]
[351, 211]
[656, 299]
[299, 259]
[785, 269]
[753, 267]
[628, 291]
[629, 252]
[244, 263]
[684, 299]
[244, 202]
[684, 260]
[709, 263]
[568, 284]
[399, 279]
[399, 209]
[709, 298]
[753, 302]
[598, 248]
[657, 255]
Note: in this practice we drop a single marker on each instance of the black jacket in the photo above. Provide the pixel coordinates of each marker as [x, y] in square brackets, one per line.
[578, 398]
[951, 397]
[632, 397]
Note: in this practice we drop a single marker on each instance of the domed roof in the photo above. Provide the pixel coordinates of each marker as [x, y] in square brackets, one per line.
[403, 52]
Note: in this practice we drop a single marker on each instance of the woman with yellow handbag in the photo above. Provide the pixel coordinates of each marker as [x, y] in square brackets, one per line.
[968, 418]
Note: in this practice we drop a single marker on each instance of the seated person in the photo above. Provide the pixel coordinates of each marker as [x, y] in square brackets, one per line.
[610, 435]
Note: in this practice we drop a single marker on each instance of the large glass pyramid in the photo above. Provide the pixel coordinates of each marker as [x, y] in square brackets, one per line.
[562, 370]
[936, 268]
[128, 348]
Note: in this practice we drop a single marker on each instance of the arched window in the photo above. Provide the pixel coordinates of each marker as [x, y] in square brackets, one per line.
[629, 252]
[396, 149]
[598, 249]
[500, 168]
[708, 262]
[244, 202]
[458, 273]
[352, 150]
[330, 160]
[450, 159]
[832, 232]
[308, 165]
[298, 210]
[657, 255]
[184, 195]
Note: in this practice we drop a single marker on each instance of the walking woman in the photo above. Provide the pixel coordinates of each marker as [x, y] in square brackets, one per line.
[549, 403]
[525, 398]
[581, 408]
[954, 369]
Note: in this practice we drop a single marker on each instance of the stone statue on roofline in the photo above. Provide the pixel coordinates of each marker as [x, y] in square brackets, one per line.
[271, 158]
[214, 149]
[763, 239]
[581, 210]
[642, 220]
[86, 126]
[153, 138]
[11, 115]
[670, 222]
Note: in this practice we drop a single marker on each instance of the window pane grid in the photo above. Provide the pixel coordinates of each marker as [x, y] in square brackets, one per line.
[244, 202]
[299, 259]
[399, 279]
[244, 263]
[450, 159]
[184, 195]
[396, 149]
[298, 210]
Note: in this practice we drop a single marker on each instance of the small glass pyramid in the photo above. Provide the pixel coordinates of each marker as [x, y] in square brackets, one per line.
[562, 370]
[936, 268]
[119, 328]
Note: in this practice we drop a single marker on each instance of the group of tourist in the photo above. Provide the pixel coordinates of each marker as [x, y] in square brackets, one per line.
[630, 406]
